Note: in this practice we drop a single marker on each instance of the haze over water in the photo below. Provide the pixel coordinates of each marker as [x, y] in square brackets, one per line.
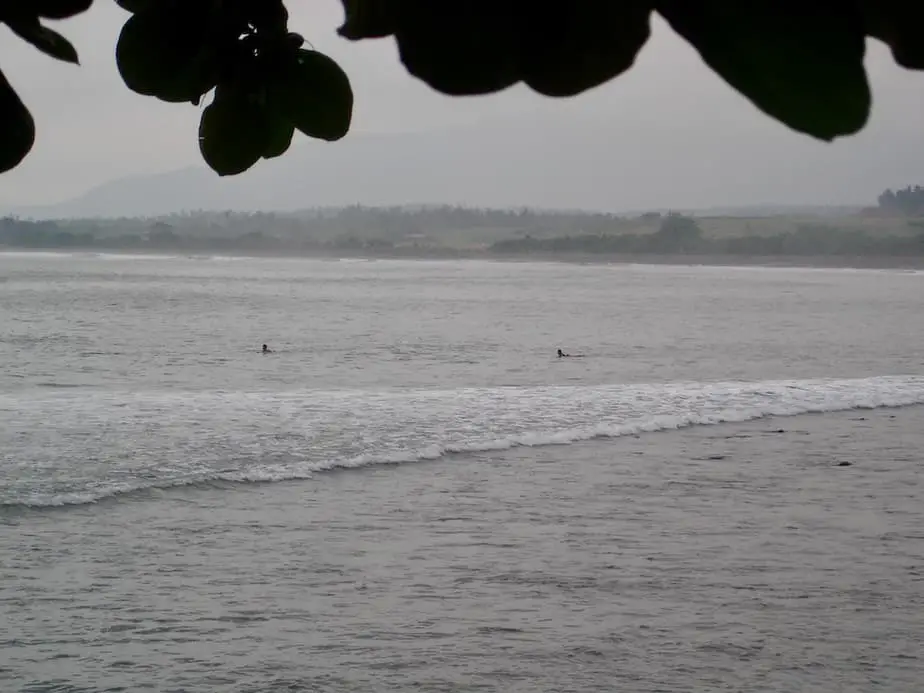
[412, 492]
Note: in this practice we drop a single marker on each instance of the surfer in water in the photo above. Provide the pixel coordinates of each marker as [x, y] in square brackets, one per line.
[267, 350]
[562, 355]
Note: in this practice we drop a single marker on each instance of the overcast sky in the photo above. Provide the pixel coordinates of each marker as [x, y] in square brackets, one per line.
[92, 129]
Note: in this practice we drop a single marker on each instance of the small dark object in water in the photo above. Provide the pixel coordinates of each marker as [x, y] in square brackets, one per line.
[716, 457]
[780, 430]
[563, 355]
[844, 463]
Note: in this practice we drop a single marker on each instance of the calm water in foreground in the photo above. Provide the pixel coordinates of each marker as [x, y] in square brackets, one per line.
[413, 493]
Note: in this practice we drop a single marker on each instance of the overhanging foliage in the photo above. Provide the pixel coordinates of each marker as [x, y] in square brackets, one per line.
[799, 61]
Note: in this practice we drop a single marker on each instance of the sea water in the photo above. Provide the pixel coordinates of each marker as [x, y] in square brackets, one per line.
[138, 414]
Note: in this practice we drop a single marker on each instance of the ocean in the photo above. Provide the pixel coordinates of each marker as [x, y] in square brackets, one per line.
[719, 490]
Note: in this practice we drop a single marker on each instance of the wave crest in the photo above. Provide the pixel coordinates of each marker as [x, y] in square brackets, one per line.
[143, 443]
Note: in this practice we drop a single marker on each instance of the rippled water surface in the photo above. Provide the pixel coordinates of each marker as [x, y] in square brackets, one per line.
[412, 492]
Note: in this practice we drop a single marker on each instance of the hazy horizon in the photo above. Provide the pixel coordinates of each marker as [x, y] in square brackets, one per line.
[668, 134]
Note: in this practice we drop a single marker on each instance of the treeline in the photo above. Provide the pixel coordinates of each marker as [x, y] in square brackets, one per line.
[160, 236]
[394, 223]
[451, 232]
[908, 201]
[682, 235]
[348, 227]
[398, 222]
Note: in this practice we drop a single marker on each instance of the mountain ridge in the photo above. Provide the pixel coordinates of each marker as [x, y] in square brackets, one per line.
[541, 163]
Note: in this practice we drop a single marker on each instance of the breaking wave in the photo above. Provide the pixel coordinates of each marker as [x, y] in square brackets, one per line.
[104, 445]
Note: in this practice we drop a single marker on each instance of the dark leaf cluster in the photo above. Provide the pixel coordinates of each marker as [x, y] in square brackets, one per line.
[25, 19]
[799, 61]
[264, 84]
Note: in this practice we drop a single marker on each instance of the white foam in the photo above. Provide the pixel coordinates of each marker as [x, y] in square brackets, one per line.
[127, 443]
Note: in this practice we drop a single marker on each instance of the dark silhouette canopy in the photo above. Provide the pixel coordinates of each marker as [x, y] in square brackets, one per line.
[800, 62]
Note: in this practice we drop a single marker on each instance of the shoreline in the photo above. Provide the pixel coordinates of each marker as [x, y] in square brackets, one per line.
[697, 260]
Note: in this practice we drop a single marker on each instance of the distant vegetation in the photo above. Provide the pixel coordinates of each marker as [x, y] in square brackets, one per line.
[355, 228]
[895, 230]
[907, 201]
[680, 235]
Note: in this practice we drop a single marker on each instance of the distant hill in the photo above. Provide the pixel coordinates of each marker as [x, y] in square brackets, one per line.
[498, 166]
[542, 163]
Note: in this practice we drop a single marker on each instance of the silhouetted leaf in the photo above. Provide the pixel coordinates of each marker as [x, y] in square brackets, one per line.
[233, 132]
[461, 48]
[581, 44]
[46, 40]
[367, 19]
[135, 6]
[899, 23]
[166, 53]
[18, 132]
[314, 93]
[267, 14]
[59, 9]
[279, 136]
[800, 62]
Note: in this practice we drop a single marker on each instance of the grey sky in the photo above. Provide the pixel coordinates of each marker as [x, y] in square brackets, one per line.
[669, 113]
